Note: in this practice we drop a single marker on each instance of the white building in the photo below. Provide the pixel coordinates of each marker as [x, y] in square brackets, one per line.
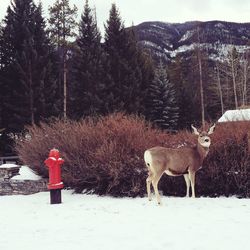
[235, 115]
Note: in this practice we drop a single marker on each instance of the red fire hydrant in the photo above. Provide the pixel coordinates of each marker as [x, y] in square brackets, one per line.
[55, 185]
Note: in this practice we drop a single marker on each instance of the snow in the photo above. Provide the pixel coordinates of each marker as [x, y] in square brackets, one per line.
[219, 25]
[236, 115]
[8, 165]
[157, 26]
[150, 44]
[26, 174]
[187, 35]
[224, 49]
[92, 222]
[182, 49]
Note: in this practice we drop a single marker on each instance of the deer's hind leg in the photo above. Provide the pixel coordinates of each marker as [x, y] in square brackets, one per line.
[149, 182]
[155, 180]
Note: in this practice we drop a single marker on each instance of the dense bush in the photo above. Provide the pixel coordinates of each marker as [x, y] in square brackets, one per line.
[227, 167]
[105, 156]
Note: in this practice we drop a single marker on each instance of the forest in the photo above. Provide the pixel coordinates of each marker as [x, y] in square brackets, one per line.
[56, 67]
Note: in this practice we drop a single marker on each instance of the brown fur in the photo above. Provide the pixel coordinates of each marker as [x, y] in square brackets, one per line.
[175, 162]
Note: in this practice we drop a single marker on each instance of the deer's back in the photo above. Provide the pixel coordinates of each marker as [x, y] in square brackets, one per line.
[174, 159]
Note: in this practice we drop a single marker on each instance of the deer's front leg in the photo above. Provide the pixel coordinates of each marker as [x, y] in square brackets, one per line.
[187, 180]
[192, 179]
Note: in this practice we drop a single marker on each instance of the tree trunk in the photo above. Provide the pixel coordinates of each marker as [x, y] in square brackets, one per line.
[201, 83]
[64, 89]
[244, 87]
[234, 85]
[31, 96]
[233, 74]
[220, 89]
[64, 69]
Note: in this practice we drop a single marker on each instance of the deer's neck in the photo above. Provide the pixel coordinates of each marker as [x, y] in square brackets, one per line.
[202, 151]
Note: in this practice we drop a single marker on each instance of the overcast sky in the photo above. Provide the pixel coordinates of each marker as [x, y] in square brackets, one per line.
[137, 11]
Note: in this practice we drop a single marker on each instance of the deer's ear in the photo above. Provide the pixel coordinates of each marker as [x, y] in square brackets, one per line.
[211, 130]
[195, 131]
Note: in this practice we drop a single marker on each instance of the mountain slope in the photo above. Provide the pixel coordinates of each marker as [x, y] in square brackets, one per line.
[166, 40]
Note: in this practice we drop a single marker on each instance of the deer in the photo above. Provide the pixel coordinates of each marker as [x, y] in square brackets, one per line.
[183, 161]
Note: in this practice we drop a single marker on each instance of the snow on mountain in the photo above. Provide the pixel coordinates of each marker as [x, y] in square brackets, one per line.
[187, 35]
[167, 40]
[181, 49]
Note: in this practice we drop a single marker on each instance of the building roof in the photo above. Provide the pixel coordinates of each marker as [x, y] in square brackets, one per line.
[235, 115]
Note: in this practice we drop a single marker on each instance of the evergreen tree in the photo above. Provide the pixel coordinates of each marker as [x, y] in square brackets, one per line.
[49, 104]
[163, 110]
[180, 75]
[88, 76]
[26, 66]
[1, 80]
[62, 28]
[126, 64]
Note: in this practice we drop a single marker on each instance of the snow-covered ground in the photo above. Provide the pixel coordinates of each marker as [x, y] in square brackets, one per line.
[90, 222]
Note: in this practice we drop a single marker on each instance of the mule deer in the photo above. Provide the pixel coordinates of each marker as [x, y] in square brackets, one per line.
[184, 161]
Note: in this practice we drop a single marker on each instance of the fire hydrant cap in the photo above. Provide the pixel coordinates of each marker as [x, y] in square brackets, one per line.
[54, 153]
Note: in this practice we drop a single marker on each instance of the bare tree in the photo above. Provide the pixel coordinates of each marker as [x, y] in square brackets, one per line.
[233, 64]
[245, 72]
[219, 86]
[201, 80]
[62, 27]
[230, 79]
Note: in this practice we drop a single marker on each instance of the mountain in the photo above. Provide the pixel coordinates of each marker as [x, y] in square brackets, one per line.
[167, 40]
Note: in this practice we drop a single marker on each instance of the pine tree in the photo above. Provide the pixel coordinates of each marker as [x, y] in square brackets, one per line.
[48, 101]
[1, 79]
[25, 65]
[126, 65]
[163, 110]
[88, 76]
[180, 75]
[6, 53]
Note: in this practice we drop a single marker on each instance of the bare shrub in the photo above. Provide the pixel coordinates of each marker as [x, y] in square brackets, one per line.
[105, 155]
[227, 167]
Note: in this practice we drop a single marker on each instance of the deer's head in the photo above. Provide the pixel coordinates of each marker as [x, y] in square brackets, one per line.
[203, 137]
